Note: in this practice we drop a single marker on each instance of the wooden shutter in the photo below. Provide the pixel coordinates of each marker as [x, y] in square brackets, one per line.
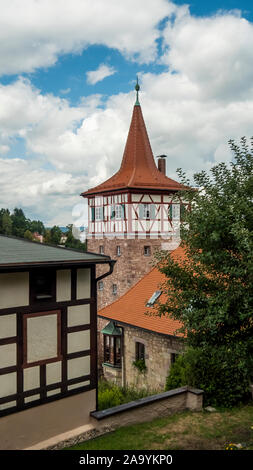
[92, 214]
[170, 211]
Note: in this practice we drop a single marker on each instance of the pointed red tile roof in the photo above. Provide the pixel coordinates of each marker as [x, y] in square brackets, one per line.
[131, 308]
[138, 169]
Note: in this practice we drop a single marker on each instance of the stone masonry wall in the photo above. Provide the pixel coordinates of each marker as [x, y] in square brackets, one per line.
[131, 265]
[158, 350]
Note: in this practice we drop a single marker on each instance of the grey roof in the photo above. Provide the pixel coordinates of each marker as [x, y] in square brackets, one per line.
[17, 251]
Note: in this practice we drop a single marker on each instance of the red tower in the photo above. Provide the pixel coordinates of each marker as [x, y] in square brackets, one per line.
[133, 213]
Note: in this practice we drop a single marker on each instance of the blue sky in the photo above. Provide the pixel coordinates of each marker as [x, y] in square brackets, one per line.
[67, 75]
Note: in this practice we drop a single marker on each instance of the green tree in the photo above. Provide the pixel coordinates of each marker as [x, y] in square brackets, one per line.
[19, 222]
[72, 242]
[55, 235]
[37, 226]
[5, 222]
[28, 235]
[210, 290]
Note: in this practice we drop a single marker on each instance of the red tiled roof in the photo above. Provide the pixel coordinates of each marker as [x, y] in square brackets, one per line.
[138, 169]
[131, 307]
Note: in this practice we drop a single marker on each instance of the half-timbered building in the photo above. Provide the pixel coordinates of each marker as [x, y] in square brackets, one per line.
[48, 340]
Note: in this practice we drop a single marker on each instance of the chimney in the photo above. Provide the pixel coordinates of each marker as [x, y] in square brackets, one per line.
[161, 163]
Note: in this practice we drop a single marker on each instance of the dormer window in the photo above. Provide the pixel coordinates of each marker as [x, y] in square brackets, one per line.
[154, 298]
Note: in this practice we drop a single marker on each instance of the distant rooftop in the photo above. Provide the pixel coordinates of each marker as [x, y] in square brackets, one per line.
[18, 252]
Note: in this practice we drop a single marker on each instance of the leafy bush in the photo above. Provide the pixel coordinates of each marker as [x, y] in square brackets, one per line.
[110, 395]
[140, 365]
[220, 372]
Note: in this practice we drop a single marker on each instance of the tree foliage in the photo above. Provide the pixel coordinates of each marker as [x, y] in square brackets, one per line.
[19, 225]
[210, 291]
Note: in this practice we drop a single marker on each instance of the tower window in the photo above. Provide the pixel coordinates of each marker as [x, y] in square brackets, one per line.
[99, 213]
[114, 289]
[147, 251]
[101, 250]
[147, 211]
[100, 285]
[118, 251]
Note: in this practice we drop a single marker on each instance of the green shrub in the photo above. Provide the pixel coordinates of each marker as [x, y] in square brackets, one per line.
[140, 365]
[110, 395]
[220, 372]
[107, 398]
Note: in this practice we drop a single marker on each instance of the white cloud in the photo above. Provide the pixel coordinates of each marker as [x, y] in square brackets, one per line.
[34, 33]
[191, 111]
[214, 53]
[103, 71]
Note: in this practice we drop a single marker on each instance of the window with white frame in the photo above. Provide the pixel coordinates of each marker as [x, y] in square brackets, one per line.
[146, 211]
[101, 250]
[99, 213]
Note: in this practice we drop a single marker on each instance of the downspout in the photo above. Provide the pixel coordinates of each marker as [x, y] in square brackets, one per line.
[111, 263]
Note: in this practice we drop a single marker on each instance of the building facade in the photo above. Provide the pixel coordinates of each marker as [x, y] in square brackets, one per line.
[48, 340]
[136, 346]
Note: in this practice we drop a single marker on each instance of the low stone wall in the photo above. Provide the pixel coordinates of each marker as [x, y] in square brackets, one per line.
[139, 411]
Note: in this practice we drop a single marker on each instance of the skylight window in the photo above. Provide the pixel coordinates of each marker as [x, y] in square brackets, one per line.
[154, 298]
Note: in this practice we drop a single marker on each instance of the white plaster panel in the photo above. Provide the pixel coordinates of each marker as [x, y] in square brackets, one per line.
[78, 367]
[14, 289]
[156, 198]
[33, 398]
[136, 197]
[8, 355]
[41, 338]
[8, 384]
[8, 326]
[31, 378]
[63, 285]
[79, 315]
[53, 392]
[146, 198]
[80, 384]
[53, 372]
[83, 284]
[78, 341]
[5, 406]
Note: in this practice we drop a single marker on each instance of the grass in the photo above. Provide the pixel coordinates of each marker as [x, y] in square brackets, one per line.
[182, 431]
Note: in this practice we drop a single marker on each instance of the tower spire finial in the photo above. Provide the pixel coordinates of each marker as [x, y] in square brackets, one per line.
[137, 88]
